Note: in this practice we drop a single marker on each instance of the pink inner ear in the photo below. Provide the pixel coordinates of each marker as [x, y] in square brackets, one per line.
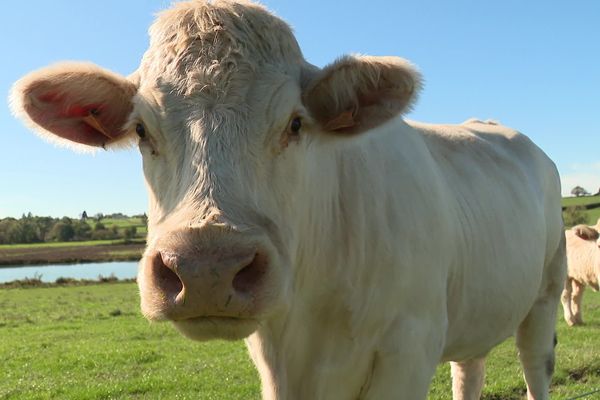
[91, 123]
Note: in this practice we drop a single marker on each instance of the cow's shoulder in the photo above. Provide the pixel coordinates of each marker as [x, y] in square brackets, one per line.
[478, 141]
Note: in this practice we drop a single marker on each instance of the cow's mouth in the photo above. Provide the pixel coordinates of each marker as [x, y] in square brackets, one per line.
[211, 327]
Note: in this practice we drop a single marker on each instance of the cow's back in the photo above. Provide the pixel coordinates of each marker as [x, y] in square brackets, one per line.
[505, 196]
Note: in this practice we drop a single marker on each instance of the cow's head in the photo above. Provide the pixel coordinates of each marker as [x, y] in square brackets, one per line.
[236, 132]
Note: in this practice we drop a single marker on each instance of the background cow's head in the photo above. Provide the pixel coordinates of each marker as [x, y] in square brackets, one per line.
[589, 233]
[235, 130]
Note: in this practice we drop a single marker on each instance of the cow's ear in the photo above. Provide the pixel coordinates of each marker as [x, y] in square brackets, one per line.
[585, 232]
[357, 93]
[74, 104]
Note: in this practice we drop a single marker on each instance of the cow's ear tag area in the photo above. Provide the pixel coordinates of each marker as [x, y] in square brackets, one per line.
[344, 120]
[75, 103]
[358, 93]
[92, 119]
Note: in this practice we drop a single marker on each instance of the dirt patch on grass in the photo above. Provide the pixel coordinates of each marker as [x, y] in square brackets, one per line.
[72, 254]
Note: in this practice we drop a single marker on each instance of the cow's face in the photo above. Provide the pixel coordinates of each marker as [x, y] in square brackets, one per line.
[233, 126]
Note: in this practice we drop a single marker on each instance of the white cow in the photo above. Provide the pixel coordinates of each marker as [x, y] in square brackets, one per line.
[293, 206]
[583, 258]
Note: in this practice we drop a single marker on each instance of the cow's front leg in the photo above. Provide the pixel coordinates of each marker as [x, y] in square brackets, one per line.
[576, 300]
[405, 363]
[565, 299]
[467, 379]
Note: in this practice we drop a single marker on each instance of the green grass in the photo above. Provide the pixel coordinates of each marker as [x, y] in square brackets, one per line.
[121, 224]
[90, 342]
[577, 363]
[592, 216]
[580, 201]
[65, 244]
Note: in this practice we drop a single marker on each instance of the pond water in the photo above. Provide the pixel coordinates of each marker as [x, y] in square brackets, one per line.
[49, 273]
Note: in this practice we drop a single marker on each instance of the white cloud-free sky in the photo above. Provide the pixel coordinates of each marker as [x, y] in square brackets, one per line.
[531, 65]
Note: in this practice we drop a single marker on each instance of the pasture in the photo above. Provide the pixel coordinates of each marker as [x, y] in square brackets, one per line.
[122, 223]
[580, 201]
[90, 342]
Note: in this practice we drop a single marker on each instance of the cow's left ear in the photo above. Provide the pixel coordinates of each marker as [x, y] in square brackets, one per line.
[357, 93]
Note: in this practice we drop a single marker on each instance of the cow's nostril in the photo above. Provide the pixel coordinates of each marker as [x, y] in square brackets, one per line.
[249, 277]
[165, 279]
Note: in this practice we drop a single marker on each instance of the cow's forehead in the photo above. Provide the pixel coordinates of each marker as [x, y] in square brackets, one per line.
[215, 46]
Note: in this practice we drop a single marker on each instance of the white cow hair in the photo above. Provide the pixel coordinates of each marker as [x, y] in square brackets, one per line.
[359, 286]
[583, 256]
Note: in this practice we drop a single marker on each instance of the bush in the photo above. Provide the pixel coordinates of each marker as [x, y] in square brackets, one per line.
[104, 234]
[62, 232]
[574, 215]
[130, 232]
[83, 231]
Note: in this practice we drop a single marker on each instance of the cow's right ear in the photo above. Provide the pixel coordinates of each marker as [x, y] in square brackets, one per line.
[357, 93]
[74, 104]
[585, 232]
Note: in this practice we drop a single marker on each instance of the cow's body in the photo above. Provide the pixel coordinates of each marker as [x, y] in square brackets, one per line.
[583, 257]
[295, 207]
[453, 233]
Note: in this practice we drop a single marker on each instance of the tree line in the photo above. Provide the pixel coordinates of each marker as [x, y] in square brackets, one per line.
[34, 229]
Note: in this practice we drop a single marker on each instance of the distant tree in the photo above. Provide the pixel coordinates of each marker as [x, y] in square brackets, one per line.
[23, 231]
[62, 232]
[98, 226]
[83, 231]
[144, 218]
[99, 217]
[44, 225]
[6, 225]
[118, 216]
[84, 215]
[578, 191]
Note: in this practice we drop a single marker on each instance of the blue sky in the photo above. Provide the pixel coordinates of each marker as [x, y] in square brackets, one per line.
[531, 65]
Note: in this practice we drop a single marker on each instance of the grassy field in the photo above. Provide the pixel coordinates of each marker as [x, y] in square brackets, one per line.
[90, 342]
[580, 201]
[121, 223]
[56, 245]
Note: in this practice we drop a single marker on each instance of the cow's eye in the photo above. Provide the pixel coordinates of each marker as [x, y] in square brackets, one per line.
[141, 131]
[295, 125]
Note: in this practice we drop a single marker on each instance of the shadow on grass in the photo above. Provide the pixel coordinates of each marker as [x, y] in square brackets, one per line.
[515, 393]
[582, 373]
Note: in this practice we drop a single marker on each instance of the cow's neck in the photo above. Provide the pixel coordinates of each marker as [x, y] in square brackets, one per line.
[304, 357]
[325, 340]
[328, 337]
